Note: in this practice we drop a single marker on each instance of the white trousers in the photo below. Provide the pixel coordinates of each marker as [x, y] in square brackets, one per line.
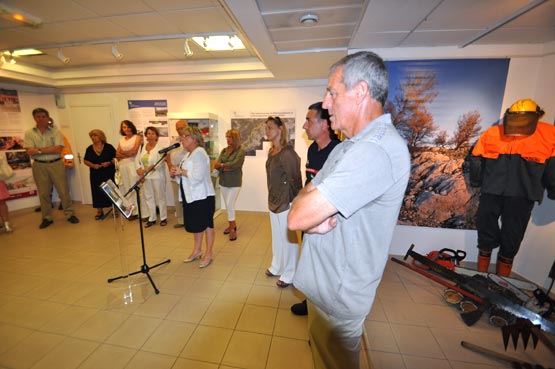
[230, 195]
[128, 178]
[155, 194]
[285, 248]
[334, 342]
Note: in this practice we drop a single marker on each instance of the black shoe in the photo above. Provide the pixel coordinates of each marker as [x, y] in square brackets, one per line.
[150, 224]
[73, 219]
[37, 209]
[45, 223]
[60, 207]
[300, 308]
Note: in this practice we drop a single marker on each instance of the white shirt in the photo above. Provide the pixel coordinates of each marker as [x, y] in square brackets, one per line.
[197, 184]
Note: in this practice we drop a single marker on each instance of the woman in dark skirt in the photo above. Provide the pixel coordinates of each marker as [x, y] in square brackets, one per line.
[197, 194]
[100, 158]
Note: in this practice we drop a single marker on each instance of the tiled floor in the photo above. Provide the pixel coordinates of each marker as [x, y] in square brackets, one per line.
[57, 310]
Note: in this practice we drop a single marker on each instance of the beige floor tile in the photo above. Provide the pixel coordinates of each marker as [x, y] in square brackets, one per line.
[222, 314]
[158, 306]
[207, 344]
[134, 332]
[207, 289]
[100, 326]
[439, 316]
[418, 341]
[264, 296]
[380, 336]
[450, 343]
[403, 312]
[257, 319]
[234, 292]
[289, 353]
[177, 284]
[169, 338]
[242, 274]
[377, 312]
[247, 350]
[463, 365]
[193, 364]
[108, 356]
[30, 313]
[217, 271]
[387, 360]
[393, 291]
[11, 335]
[290, 296]
[189, 310]
[415, 362]
[149, 360]
[290, 325]
[69, 320]
[68, 354]
[30, 350]
[47, 289]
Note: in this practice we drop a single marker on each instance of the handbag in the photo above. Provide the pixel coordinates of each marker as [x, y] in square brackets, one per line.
[117, 175]
[6, 170]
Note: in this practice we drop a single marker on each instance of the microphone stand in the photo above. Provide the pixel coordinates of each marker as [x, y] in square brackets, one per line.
[145, 268]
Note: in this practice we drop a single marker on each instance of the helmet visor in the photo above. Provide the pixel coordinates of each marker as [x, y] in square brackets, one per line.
[520, 124]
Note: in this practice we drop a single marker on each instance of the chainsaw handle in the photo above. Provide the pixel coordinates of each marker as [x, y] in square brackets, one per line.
[458, 255]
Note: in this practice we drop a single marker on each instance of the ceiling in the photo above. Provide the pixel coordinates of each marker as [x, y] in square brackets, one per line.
[151, 34]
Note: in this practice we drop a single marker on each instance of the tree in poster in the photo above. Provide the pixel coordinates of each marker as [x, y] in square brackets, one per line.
[410, 114]
[468, 128]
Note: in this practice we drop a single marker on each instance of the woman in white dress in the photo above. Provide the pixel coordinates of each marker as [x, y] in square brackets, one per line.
[155, 182]
[126, 152]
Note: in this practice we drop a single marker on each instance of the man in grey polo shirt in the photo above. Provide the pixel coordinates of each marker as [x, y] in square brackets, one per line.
[44, 145]
[349, 211]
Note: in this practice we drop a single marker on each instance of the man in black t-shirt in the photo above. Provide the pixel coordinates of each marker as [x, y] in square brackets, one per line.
[317, 128]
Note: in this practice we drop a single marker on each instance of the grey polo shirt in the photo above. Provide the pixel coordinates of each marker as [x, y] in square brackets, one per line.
[51, 137]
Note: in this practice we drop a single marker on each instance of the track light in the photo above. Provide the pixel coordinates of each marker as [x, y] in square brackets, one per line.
[205, 42]
[230, 43]
[12, 60]
[116, 53]
[64, 59]
[14, 14]
[187, 48]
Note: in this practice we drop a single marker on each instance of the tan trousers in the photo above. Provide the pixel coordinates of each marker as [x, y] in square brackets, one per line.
[47, 175]
[334, 342]
[178, 204]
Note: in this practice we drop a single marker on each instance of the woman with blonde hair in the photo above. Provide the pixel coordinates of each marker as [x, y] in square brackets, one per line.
[283, 176]
[99, 157]
[230, 169]
[197, 194]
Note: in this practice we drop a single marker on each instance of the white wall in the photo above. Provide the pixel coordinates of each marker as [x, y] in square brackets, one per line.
[528, 77]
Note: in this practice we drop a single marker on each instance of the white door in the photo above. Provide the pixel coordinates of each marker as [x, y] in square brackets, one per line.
[83, 120]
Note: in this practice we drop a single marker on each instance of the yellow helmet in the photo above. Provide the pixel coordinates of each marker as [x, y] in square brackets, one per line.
[522, 118]
[525, 106]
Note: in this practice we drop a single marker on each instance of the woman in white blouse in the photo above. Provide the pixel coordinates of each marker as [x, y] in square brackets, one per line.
[155, 182]
[197, 194]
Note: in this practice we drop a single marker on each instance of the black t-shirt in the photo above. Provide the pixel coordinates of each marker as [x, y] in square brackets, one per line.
[315, 159]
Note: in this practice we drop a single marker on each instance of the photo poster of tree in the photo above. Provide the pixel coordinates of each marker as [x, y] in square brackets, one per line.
[440, 107]
[150, 113]
[251, 128]
[21, 184]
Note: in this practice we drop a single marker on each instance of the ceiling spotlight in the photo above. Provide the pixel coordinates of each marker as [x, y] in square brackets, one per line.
[116, 53]
[230, 43]
[64, 59]
[187, 48]
[14, 14]
[205, 42]
[12, 60]
[309, 19]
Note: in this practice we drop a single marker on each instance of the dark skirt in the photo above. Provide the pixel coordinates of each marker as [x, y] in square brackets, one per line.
[199, 215]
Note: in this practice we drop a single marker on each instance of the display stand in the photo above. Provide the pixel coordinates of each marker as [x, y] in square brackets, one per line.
[145, 268]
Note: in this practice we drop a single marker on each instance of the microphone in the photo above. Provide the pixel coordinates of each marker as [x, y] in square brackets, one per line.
[169, 148]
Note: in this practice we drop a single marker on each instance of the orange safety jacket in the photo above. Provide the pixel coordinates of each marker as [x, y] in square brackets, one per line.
[518, 166]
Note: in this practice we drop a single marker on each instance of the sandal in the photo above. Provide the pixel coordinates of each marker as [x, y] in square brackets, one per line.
[269, 274]
[99, 216]
[282, 284]
[150, 224]
[163, 223]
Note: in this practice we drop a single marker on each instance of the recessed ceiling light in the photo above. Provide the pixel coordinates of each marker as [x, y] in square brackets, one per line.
[309, 19]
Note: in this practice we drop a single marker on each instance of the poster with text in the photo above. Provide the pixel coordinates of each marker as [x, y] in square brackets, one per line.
[150, 113]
